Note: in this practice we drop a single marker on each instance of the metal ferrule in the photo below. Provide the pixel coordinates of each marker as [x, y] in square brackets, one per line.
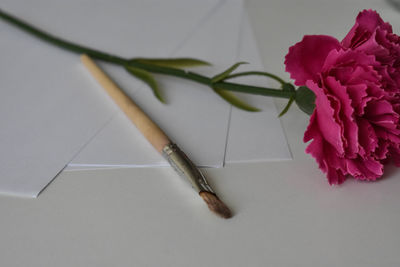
[185, 168]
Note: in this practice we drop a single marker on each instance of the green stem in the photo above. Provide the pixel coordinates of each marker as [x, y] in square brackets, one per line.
[261, 73]
[67, 45]
[60, 42]
[236, 87]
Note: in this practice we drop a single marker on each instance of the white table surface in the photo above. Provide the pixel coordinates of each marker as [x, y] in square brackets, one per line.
[286, 214]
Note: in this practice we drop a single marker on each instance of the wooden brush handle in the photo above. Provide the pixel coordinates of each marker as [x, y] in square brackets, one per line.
[146, 126]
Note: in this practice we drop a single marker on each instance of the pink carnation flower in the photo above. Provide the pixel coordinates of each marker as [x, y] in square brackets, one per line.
[355, 124]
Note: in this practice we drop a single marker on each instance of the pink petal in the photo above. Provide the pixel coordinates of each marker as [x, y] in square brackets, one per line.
[339, 58]
[325, 155]
[395, 155]
[326, 117]
[367, 138]
[306, 58]
[381, 113]
[382, 150]
[357, 93]
[366, 23]
[365, 169]
[312, 128]
[350, 129]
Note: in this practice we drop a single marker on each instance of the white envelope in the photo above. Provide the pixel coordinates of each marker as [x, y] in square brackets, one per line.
[209, 130]
[52, 111]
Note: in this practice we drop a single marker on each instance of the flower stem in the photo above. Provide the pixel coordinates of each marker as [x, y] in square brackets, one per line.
[262, 73]
[60, 42]
[100, 55]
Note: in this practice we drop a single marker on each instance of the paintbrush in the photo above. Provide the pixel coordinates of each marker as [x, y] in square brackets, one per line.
[160, 141]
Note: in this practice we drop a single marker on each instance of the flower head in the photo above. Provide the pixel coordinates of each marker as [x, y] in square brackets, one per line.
[355, 125]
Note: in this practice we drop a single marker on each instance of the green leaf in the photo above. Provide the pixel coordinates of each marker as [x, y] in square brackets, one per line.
[305, 99]
[147, 78]
[178, 63]
[225, 74]
[289, 103]
[234, 100]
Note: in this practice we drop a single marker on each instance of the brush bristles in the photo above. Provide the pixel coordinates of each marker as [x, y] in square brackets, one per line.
[216, 205]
